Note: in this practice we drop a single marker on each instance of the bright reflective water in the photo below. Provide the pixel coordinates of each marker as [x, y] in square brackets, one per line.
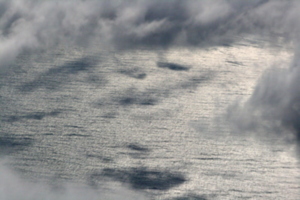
[139, 124]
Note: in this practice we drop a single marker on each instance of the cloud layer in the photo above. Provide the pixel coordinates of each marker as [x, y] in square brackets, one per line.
[32, 25]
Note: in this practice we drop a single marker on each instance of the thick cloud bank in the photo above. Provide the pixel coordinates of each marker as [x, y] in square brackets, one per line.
[34, 25]
[274, 106]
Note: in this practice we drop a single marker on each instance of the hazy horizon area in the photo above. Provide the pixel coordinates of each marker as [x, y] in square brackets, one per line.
[137, 99]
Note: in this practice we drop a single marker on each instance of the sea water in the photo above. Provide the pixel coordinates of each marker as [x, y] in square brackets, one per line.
[139, 124]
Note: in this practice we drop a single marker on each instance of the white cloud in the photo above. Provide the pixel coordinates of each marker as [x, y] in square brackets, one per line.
[12, 187]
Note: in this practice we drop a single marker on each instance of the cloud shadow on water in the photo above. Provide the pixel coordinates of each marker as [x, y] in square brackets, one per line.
[137, 147]
[32, 116]
[153, 96]
[126, 101]
[195, 81]
[131, 97]
[172, 66]
[103, 159]
[133, 73]
[57, 76]
[191, 197]
[138, 151]
[142, 178]
[10, 143]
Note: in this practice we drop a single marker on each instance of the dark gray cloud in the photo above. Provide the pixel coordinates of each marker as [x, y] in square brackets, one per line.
[30, 25]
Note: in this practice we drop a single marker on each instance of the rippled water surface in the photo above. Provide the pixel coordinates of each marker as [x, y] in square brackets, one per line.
[149, 122]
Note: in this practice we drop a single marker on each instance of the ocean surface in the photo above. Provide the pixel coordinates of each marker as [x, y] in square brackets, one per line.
[140, 124]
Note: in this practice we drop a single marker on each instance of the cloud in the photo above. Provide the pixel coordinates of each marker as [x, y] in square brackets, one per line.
[273, 109]
[12, 187]
[31, 25]
[274, 106]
